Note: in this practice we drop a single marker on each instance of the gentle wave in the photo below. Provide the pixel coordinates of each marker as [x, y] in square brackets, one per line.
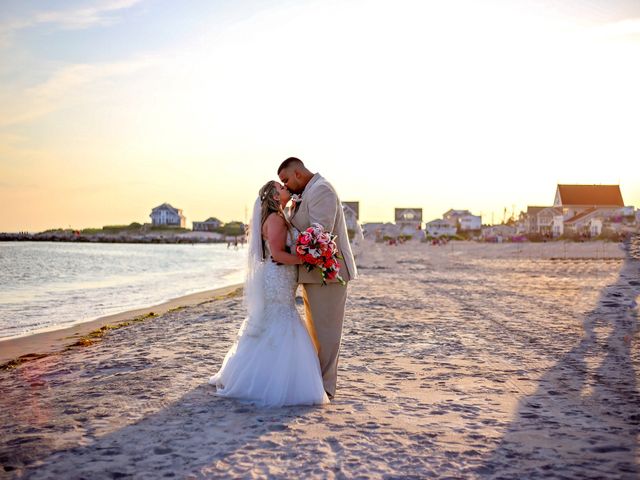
[53, 285]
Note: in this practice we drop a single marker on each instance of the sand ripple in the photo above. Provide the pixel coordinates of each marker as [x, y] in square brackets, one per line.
[465, 361]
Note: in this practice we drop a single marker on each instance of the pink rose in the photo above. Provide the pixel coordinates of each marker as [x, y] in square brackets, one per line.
[324, 238]
[304, 239]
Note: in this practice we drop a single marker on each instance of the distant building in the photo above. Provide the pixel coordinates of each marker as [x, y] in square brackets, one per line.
[464, 220]
[498, 233]
[577, 209]
[408, 220]
[453, 215]
[166, 215]
[548, 218]
[209, 225]
[353, 207]
[351, 215]
[530, 219]
[439, 228]
[587, 223]
[470, 222]
[586, 207]
[574, 199]
[628, 211]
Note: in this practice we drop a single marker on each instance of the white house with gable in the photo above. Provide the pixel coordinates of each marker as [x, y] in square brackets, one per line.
[439, 228]
[166, 215]
[463, 219]
[209, 225]
[409, 220]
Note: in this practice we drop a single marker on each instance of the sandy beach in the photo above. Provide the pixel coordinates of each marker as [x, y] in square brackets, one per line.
[55, 340]
[494, 361]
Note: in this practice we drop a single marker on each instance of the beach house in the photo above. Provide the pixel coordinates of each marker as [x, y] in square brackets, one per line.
[464, 220]
[530, 219]
[550, 220]
[498, 233]
[583, 210]
[439, 228]
[211, 224]
[576, 199]
[166, 215]
[408, 220]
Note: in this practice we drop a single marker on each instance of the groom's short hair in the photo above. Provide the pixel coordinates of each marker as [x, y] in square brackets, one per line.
[288, 162]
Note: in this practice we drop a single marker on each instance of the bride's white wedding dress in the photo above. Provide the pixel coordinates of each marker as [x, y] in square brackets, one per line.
[273, 362]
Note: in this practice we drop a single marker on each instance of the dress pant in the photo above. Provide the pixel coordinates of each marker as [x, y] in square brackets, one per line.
[324, 307]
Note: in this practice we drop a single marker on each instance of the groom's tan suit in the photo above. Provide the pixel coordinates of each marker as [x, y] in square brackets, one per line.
[324, 304]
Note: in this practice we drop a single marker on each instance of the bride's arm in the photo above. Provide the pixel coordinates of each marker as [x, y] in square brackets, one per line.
[276, 233]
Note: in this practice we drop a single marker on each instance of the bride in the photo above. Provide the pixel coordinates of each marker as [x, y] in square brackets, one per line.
[273, 361]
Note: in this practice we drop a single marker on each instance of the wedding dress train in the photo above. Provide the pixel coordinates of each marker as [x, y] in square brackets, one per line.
[273, 362]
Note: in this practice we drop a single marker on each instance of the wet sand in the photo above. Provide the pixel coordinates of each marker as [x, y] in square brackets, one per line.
[56, 340]
[460, 361]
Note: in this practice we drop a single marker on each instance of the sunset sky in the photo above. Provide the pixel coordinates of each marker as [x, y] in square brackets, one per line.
[110, 108]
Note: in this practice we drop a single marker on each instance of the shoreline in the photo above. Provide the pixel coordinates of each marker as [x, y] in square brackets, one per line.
[54, 341]
[164, 237]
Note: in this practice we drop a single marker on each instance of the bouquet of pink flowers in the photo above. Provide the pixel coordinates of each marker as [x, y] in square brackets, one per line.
[318, 249]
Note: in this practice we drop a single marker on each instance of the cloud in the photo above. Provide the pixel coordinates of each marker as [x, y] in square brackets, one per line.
[100, 13]
[25, 105]
[86, 16]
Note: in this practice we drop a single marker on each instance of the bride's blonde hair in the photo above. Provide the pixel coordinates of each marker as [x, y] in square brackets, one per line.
[270, 204]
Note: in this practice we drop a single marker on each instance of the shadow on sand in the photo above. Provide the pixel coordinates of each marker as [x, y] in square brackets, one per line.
[583, 421]
[191, 438]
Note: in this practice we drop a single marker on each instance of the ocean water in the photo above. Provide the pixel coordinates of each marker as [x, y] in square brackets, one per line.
[53, 285]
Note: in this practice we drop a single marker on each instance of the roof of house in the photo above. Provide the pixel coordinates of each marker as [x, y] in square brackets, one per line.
[590, 195]
[454, 212]
[417, 210]
[552, 210]
[534, 210]
[581, 215]
[166, 206]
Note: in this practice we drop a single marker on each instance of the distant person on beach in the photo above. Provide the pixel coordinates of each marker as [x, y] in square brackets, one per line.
[324, 304]
[273, 361]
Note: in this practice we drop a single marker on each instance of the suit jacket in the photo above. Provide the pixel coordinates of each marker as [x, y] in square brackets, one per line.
[320, 204]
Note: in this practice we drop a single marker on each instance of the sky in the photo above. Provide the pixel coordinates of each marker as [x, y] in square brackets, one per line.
[109, 108]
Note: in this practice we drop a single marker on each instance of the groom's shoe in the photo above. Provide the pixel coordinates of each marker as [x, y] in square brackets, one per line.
[329, 395]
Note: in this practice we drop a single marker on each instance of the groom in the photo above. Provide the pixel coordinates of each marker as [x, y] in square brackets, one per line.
[324, 304]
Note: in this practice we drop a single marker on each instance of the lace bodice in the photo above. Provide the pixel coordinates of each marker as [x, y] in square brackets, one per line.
[280, 281]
